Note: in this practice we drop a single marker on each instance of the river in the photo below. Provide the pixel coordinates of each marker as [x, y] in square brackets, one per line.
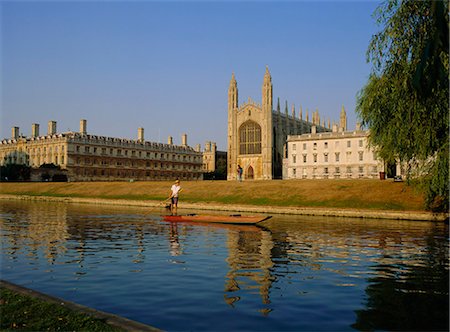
[292, 273]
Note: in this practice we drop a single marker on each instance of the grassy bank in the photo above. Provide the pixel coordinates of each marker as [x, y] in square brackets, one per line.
[21, 312]
[362, 194]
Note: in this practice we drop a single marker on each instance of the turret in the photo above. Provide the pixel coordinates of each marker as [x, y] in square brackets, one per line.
[286, 112]
[266, 125]
[232, 94]
[343, 120]
[267, 90]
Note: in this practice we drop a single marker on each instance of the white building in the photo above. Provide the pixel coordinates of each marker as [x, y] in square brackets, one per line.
[331, 155]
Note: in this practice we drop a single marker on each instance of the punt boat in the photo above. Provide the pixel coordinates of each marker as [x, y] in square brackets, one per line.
[222, 219]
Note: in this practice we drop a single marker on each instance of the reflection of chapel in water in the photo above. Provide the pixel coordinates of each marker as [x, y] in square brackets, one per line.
[250, 262]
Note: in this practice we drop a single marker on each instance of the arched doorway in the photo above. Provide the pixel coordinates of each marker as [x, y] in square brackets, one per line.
[249, 174]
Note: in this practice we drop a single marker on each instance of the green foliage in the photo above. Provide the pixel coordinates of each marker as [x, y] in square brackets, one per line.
[15, 172]
[405, 103]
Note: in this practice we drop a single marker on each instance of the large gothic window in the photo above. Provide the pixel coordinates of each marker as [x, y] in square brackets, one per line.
[249, 138]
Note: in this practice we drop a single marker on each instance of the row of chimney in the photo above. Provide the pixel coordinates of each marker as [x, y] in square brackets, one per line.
[51, 130]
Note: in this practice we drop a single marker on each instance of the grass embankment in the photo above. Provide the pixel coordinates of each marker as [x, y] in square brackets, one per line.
[21, 312]
[362, 194]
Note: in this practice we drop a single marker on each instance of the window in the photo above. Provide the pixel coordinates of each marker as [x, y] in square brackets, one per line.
[361, 156]
[294, 147]
[337, 170]
[294, 159]
[361, 170]
[360, 143]
[337, 156]
[294, 172]
[325, 170]
[304, 146]
[349, 144]
[349, 169]
[314, 145]
[325, 157]
[250, 138]
[315, 158]
[325, 145]
[304, 158]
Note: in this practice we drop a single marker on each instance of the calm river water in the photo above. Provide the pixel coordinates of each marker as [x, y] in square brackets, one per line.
[295, 273]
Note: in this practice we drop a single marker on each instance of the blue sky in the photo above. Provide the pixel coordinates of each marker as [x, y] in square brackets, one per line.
[166, 65]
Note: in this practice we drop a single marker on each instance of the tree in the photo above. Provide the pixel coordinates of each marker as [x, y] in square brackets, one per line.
[405, 102]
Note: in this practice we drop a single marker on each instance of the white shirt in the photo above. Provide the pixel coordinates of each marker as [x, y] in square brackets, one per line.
[175, 190]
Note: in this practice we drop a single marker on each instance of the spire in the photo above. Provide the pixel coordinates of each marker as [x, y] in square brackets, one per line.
[300, 113]
[286, 111]
[278, 105]
[343, 119]
[307, 115]
[232, 93]
[267, 92]
[294, 121]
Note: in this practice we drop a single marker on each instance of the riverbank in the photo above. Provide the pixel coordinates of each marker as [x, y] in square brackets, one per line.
[342, 198]
[25, 309]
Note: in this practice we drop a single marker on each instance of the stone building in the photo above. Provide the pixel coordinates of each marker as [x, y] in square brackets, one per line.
[257, 133]
[88, 157]
[213, 160]
[331, 155]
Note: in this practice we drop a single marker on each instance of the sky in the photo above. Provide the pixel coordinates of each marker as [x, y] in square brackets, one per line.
[166, 65]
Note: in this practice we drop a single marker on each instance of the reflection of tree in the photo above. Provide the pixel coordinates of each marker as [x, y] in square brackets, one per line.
[415, 299]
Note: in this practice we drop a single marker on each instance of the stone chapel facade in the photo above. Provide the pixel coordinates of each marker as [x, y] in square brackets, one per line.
[257, 133]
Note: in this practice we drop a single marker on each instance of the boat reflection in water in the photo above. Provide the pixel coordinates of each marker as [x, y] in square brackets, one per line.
[293, 273]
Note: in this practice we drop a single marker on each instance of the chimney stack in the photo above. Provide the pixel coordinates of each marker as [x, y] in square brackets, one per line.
[141, 134]
[313, 129]
[51, 128]
[170, 140]
[15, 132]
[83, 127]
[184, 140]
[35, 130]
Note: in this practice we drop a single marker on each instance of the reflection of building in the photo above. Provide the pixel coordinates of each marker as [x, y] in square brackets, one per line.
[257, 133]
[250, 262]
[92, 157]
[339, 154]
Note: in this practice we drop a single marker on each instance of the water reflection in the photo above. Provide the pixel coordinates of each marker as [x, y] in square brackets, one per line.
[303, 273]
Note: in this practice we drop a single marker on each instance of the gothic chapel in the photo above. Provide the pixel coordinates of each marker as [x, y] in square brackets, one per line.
[257, 133]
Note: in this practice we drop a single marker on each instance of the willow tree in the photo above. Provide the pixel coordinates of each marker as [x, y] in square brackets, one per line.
[405, 102]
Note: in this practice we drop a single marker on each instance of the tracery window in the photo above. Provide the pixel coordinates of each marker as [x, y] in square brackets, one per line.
[250, 138]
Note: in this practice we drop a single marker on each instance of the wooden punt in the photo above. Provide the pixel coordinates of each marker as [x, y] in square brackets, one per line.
[222, 219]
